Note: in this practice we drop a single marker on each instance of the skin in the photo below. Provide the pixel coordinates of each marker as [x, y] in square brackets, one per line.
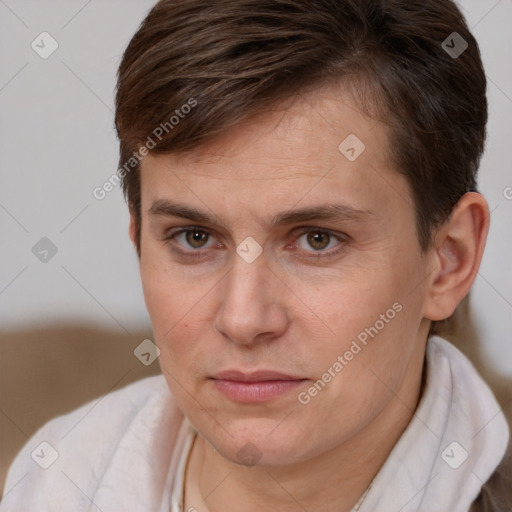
[292, 310]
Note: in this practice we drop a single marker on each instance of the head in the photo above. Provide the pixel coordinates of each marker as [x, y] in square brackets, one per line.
[233, 116]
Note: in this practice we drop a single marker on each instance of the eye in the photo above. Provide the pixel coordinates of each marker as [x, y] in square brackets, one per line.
[193, 239]
[320, 241]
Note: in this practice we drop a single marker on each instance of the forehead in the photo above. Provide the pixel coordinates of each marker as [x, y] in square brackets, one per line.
[306, 149]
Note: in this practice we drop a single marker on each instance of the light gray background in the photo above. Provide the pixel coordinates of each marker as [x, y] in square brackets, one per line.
[57, 143]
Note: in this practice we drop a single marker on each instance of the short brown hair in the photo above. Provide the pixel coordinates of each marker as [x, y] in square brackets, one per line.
[231, 58]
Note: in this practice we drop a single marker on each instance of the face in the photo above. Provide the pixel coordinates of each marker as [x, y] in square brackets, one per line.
[333, 302]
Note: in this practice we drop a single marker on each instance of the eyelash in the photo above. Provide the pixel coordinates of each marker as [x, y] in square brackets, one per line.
[342, 238]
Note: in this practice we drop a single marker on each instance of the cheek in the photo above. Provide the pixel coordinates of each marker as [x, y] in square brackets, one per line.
[175, 334]
[355, 380]
[169, 294]
[372, 319]
[166, 301]
[179, 307]
[160, 295]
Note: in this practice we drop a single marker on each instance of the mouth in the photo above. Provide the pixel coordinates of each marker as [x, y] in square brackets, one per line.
[253, 387]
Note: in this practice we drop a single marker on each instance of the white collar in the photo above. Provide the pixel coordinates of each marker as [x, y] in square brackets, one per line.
[457, 415]
[185, 440]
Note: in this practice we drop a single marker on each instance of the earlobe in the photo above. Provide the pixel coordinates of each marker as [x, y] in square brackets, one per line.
[458, 248]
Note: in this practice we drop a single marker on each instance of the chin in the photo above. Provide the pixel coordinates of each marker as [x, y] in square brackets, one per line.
[254, 441]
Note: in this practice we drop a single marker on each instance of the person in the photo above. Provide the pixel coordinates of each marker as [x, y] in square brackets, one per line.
[301, 181]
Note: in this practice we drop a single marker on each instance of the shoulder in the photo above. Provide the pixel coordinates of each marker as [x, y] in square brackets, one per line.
[110, 412]
[496, 493]
[72, 455]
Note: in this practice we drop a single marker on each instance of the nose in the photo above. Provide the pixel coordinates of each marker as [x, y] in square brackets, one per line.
[252, 303]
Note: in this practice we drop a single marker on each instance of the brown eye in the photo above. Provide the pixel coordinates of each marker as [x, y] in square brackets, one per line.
[319, 243]
[196, 238]
[191, 239]
[318, 240]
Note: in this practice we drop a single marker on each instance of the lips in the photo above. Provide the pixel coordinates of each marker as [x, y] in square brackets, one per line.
[252, 387]
[256, 376]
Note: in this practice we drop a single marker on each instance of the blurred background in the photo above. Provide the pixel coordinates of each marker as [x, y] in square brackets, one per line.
[71, 305]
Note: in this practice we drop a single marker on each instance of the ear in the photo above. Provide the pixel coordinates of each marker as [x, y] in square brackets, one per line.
[458, 248]
[132, 230]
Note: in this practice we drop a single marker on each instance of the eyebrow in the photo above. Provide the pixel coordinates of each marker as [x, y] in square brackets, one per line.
[325, 212]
